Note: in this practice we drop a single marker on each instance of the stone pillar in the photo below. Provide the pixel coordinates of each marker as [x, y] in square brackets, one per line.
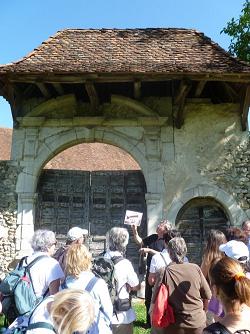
[25, 222]
[154, 210]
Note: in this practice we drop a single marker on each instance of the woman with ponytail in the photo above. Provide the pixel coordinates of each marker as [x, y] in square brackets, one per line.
[232, 288]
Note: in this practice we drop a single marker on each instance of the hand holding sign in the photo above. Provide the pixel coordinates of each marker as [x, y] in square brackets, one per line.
[133, 218]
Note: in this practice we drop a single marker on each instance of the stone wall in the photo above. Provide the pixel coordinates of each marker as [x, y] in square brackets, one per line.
[233, 175]
[8, 212]
[211, 160]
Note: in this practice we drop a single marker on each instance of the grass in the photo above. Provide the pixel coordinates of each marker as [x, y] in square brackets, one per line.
[139, 323]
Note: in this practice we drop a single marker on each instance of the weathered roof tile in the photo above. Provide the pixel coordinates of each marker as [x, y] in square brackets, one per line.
[130, 50]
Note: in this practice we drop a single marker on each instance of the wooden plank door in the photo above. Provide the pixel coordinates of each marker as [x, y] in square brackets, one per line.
[96, 201]
[195, 220]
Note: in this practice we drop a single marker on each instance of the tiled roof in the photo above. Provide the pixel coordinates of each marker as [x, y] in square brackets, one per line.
[88, 157]
[128, 51]
[93, 157]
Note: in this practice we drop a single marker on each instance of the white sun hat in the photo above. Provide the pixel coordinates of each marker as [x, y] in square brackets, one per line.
[76, 233]
[236, 250]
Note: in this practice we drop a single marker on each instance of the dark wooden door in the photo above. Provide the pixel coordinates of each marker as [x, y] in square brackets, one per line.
[62, 200]
[195, 219]
[96, 201]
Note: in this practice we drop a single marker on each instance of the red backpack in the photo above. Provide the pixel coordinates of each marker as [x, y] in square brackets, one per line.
[162, 314]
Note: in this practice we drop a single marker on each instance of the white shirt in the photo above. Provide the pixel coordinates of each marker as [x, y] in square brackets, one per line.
[125, 273]
[43, 272]
[41, 314]
[157, 261]
[101, 297]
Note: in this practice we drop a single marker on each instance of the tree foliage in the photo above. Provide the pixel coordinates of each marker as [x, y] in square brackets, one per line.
[239, 31]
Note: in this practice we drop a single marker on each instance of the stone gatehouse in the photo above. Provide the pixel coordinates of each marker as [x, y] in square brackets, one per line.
[171, 98]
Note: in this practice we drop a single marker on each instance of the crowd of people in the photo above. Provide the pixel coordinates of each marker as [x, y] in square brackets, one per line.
[213, 298]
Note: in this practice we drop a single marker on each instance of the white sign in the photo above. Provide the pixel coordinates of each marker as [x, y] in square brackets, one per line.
[133, 218]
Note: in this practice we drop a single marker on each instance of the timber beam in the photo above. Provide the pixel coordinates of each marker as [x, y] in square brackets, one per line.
[137, 90]
[244, 109]
[231, 93]
[112, 77]
[183, 89]
[179, 100]
[44, 90]
[199, 88]
[92, 94]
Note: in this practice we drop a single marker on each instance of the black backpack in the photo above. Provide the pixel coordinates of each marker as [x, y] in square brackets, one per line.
[105, 268]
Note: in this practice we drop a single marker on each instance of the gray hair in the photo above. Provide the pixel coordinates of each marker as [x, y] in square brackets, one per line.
[177, 249]
[117, 239]
[42, 240]
[167, 224]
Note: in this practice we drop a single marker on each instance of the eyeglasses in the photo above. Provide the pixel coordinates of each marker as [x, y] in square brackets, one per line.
[55, 243]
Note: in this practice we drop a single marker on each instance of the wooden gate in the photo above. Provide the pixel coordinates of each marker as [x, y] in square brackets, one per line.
[96, 201]
[195, 219]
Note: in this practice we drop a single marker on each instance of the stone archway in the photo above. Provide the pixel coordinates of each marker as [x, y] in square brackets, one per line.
[41, 144]
[195, 219]
[234, 212]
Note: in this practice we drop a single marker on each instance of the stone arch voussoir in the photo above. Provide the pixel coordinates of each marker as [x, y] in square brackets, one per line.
[66, 138]
[235, 214]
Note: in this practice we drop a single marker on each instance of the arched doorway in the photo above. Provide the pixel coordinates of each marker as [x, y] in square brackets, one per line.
[195, 219]
[90, 185]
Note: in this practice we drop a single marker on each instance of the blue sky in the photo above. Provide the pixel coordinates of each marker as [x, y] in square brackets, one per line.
[24, 25]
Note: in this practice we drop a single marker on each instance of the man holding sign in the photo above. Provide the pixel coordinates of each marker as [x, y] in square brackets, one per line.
[151, 245]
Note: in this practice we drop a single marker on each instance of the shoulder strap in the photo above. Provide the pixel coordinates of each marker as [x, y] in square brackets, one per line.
[117, 259]
[37, 305]
[91, 283]
[23, 259]
[163, 259]
[88, 288]
[41, 324]
[35, 260]
[27, 269]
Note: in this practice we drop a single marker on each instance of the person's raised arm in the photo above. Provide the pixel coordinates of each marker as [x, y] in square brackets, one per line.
[137, 238]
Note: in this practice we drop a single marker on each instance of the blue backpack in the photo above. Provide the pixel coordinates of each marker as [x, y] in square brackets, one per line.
[18, 292]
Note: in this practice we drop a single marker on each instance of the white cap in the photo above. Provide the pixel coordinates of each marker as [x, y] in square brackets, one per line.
[76, 233]
[236, 250]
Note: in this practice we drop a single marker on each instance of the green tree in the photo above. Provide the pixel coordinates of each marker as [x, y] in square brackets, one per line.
[239, 31]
